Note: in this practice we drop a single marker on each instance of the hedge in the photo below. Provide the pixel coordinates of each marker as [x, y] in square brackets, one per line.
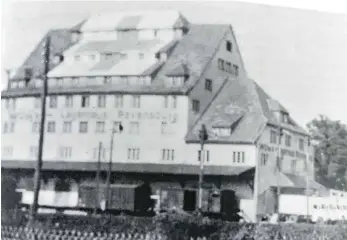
[176, 226]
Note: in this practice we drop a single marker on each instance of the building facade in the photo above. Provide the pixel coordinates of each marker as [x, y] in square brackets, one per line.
[161, 78]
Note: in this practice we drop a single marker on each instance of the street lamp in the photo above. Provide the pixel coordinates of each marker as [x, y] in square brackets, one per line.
[203, 136]
[108, 178]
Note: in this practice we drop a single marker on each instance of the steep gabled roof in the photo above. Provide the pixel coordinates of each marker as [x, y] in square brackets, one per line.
[236, 99]
[240, 97]
[194, 50]
[61, 39]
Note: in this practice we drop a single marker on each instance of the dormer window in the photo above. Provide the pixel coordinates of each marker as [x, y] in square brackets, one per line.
[92, 57]
[77, 58]
[222, 131]
[107, 80]
[123, 56]
[108, 56]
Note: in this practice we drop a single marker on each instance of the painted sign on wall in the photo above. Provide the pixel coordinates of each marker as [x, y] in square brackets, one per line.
[283, 151]
[120, 114]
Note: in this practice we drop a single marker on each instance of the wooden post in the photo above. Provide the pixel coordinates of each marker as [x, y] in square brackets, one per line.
[97, 195]
[37, 176]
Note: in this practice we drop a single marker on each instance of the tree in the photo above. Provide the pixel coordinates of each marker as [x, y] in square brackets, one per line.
[330, 141]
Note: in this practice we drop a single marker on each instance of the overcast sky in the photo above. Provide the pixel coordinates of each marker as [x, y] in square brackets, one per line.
[299, 57]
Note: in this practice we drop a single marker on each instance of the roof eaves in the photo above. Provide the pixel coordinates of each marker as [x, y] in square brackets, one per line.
[220, 141]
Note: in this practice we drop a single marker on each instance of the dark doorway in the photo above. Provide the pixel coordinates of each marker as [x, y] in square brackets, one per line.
[229, 205]
[189, 200]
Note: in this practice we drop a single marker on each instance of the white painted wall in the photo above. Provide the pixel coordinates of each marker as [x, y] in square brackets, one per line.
[221, 154]
[150, 140]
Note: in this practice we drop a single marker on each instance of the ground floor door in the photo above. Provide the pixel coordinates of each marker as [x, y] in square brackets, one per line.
[189, 200]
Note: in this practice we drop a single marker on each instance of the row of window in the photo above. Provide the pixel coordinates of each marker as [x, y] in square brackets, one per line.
[100, 127]
[330, 207]
[275, 138]
[84, 81]
[84, 102]
[65, 152]
[228, 67]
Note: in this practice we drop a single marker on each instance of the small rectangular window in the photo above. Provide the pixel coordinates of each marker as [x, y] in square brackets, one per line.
[174, 101]
[118, 101]
[85, 101]
[196, 106]
[273, 136]
[65, 152]
[236, 70]
[301, 144]
[229, 46]
[136, 102]
[208, 84]
[228, 67]
[166, 101]
[133, 153]
[51, 126]
[5, 128]
[102, 153]
[100, 127]
[53, 101]
[206, 155]
[101, 101]
[288, 140]
[67, 127]
[141, 56]
[221, 64]
[264, 159]
[107, 80]
[83, 127]
[33, 152]
[167, 154]
[68, 101]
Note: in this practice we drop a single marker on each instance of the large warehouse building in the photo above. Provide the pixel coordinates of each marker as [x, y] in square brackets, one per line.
[161, 78]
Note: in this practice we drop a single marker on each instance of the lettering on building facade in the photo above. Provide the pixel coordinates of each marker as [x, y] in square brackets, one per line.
[121, 115]
[284, 151]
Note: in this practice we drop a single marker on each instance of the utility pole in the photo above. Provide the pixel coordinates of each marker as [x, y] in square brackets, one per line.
[38, 167]
[307, 180]
[108, 178]
[203, 137]
[97, 195]
[280, 134]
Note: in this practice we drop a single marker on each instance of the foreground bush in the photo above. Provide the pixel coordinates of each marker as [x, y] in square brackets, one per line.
[176, 226]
